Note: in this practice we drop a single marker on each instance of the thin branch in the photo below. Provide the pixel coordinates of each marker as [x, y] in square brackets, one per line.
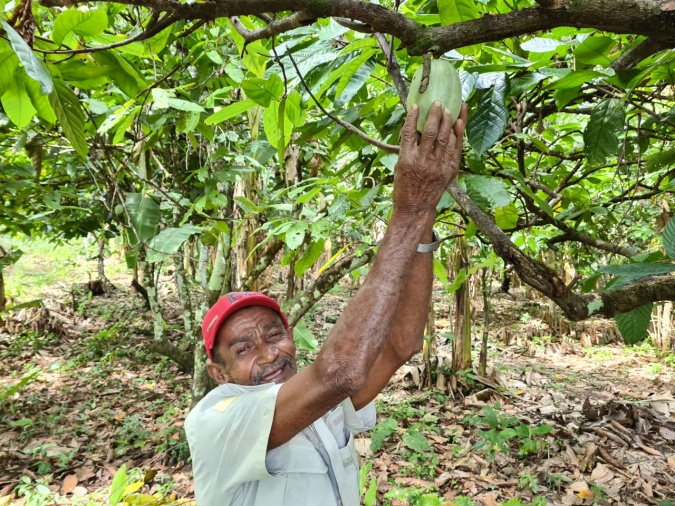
[296, 20]
[636, 54]
[389, 148]
[393, 67]
[150, 31]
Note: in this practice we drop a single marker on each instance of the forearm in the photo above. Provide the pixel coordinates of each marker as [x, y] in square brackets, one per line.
[407, 334]
[359, 335]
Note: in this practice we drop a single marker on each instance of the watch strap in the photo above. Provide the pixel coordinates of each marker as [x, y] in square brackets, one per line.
[432, 246]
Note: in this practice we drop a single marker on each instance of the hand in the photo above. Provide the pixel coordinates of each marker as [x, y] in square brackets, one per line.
[427, 163]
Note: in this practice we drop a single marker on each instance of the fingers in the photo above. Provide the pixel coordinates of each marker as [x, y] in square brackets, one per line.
[431, 127]
[409, 130]
[444, 135]
[459, 127]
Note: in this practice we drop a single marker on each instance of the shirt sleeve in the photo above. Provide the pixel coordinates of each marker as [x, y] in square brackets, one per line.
[228, 438]
[361, 420]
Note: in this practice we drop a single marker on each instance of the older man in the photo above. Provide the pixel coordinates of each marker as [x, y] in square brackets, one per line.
[272, 435]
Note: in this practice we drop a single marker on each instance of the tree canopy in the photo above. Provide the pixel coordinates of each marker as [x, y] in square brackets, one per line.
[278, 121]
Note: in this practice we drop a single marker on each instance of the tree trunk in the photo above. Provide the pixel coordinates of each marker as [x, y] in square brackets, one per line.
[461, 347]
[487, 282]
[155, 309]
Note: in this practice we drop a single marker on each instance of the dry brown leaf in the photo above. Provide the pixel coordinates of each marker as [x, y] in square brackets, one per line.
[6, 500]
[671, 462]
[489, 499]
[667, 434]
[80, 491]
[69, 483]
[579, 486]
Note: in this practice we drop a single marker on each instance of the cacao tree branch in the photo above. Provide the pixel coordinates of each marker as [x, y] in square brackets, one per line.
[296, 20]
[636, 54]
[264, 261]
[303, 301]
[393, 67]
[652, 18]
[623, 300]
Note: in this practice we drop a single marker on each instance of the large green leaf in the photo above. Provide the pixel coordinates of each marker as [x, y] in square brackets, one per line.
[70, 115]
[168, 241]
[309, 257]
[489, 120]
[669, 238]
[229, 112]
[486, 191]
[506, 217]
[416, 441]
[601, 134]
[17, 104]
[8, 65]
[295, 234]
[41, 102]
[294, 110]
[91, 22]
[263, 91]
[541, 45]
[455, 11]
[34, 66]
[350, 68]
[303, 337]
[278, 128]
[634, 324]
[574, 79]
[594, 50]
[630, 273]
[353, 85]
[10, 258]
[121, 72]
[144, 214]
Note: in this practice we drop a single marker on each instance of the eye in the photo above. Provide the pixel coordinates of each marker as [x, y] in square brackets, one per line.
[243, 350]
[276, 335]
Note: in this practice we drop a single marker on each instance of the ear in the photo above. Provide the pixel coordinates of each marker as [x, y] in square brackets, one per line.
[217, 372]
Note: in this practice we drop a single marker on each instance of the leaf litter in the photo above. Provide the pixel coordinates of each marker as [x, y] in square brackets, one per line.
[550, 419]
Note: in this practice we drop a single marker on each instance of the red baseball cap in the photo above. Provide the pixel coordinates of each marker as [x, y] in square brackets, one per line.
[227, 305]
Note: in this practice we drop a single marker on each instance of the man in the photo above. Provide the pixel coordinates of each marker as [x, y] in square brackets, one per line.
[270, 435]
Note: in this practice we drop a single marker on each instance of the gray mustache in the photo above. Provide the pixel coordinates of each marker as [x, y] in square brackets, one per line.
[277, 364]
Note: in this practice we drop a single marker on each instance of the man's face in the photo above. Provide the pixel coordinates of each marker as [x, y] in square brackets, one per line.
[255, 348]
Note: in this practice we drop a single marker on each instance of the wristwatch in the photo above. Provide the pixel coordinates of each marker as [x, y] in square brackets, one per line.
[432, 246]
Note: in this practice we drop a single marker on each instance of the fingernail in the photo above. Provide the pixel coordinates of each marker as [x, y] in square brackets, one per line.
[447, 111]
[415, 107]
[437, 103]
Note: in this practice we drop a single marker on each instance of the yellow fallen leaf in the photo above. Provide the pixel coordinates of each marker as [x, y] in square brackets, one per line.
[585, 494]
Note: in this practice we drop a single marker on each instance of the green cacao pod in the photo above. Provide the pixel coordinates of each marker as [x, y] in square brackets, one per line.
[443, 85]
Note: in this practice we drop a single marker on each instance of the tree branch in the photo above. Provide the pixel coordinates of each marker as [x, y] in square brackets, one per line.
[636, 54]
[623, 300]
[304, 300]
[296, 20]
[393, 67]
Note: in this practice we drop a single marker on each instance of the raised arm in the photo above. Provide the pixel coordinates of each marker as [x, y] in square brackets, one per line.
[343, 366]
[407, 335]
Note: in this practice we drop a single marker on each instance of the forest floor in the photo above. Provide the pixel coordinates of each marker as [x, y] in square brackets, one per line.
[88, 415]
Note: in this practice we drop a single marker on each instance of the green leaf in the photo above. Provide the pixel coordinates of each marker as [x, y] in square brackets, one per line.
[669, 238]
[348, 70]
[457, 282]
[184, 105]
[295, 235]
[600, 136]
[229, 112]
[168, 241]
[456, 11]
[574, 79]
[594, 306]
[307, 196]
[355, 83]
[489, 120]
[564, 96]
[506, 217]
[278, 128]
[440, 272]
[309, 257]
[34, 66]
[594, 50]
[416, 441]
[91, 22]
[12, 257]
[70, 115]
[633, 325]
[381, 432]
[118, 485]
[303, 337]
[247, 206]
[662, 159]
[486, 191]
[144, 214]
[17, 104]
[263, 91]
[294, 111]
[9, 62]
[41, 102]
[121, 72]
[541, 45]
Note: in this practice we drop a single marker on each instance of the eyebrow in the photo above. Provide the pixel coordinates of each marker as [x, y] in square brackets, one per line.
[248, 337]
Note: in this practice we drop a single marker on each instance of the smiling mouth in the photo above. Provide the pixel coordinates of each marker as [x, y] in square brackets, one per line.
[274, 375]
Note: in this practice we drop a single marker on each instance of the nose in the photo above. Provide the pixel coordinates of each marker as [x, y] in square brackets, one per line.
[268, 354]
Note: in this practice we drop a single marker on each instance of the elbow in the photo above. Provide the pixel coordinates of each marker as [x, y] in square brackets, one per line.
[343, 377]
